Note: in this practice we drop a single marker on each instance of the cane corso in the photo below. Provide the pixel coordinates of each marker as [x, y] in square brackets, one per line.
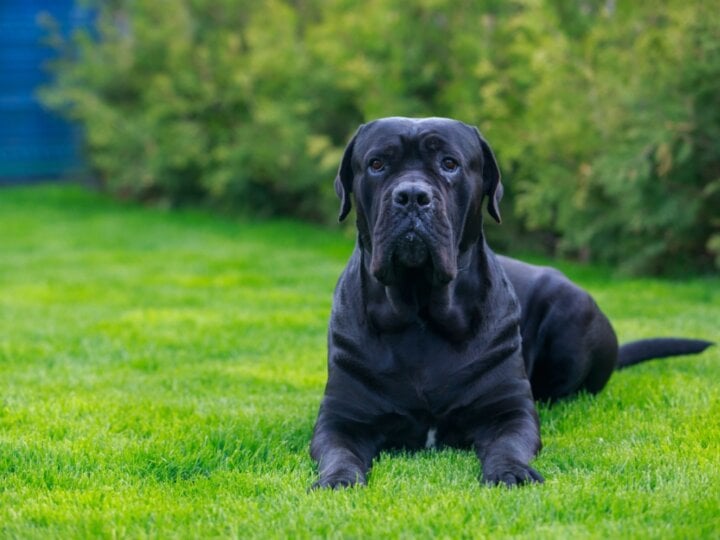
[433, 339]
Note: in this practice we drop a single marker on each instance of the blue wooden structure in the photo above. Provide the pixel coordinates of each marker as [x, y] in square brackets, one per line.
[34, 142]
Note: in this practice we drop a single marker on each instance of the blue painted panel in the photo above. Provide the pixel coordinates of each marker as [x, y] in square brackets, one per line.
[34, 142]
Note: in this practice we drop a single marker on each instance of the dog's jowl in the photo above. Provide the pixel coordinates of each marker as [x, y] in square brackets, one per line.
[435, 341]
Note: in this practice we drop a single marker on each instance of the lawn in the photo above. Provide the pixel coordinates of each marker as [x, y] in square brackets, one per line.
[160, 373]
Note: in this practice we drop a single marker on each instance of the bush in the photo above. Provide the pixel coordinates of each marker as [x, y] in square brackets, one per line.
[623, 161]
[199, 100]
[605, 120]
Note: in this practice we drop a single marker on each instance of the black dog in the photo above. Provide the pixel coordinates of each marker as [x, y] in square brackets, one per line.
[433, 339]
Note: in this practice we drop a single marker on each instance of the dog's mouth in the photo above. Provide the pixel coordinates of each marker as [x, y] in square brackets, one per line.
[411, 250]
[412, 242]
[416, 251]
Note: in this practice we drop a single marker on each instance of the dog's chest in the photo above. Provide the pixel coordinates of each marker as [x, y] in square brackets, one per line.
[426, 373]
[429, 385]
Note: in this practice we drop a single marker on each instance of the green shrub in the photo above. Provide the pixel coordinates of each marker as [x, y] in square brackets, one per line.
[199, 100]
[623, 161]
[605, 119]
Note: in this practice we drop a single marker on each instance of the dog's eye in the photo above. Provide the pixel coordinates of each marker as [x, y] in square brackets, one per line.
[376, 165]
[449, 164]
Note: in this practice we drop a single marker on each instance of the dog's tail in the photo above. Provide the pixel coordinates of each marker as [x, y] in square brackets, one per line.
[635, 352]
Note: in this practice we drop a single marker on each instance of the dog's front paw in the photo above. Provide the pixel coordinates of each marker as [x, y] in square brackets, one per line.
[511, 474]
[340, 479]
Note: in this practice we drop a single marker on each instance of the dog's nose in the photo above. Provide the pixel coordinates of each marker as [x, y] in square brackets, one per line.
[411, 193]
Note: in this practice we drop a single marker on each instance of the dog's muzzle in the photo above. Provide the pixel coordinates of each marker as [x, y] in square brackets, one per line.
[412, 202]
[413, 232]
[411, 250]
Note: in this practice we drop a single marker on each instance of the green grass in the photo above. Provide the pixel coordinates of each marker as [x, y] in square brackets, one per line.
[160, 374]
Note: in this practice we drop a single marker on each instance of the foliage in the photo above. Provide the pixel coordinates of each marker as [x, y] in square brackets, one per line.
[623, 160]
[161, 374]
[604, 115]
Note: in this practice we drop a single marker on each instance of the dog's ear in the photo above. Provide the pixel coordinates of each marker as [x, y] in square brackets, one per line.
[492, 187]
[344, 178]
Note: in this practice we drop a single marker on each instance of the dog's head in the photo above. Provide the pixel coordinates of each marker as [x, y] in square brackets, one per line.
[418, 186]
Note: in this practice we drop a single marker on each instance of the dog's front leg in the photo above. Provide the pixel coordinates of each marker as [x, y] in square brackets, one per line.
[344, 456]
[506, 448]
